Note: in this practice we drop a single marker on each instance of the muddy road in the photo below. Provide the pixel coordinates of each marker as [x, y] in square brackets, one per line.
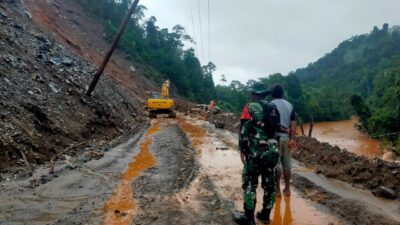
[181, 171]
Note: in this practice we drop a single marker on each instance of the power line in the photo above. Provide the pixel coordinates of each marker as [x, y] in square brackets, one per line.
[201, 31]
[193, 27]
[209, 33]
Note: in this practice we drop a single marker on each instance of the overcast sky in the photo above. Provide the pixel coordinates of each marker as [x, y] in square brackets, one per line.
[255, 38]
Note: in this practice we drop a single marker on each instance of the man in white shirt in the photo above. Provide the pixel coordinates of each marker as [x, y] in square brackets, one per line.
[286, 138]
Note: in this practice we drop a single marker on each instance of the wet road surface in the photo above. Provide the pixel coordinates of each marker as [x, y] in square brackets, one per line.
[120, 208]
[181, 171]
[224, 168]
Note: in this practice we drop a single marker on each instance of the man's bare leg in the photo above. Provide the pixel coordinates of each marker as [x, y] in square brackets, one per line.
[286, 176]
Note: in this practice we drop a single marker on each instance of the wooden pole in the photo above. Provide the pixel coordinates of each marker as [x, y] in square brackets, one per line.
[311, 126]
[300, 121]
[112, 48]
[302, 129]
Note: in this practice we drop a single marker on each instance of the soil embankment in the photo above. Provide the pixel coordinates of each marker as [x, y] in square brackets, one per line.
[43, 107]
[360, 171]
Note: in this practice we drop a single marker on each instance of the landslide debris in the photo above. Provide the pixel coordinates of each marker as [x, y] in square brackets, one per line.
[43, 107]
[377, 175]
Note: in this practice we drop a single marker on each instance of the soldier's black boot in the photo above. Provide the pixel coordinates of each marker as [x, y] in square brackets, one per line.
[246, 219]
[263, 216]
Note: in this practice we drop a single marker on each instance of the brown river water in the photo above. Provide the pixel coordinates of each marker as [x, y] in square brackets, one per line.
[346, 136]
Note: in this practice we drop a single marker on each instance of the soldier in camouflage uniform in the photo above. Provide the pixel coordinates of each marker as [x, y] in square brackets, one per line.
[260, 154]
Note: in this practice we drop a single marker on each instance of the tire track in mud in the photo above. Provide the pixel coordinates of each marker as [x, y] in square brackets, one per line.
[120, 208]
[175, 191]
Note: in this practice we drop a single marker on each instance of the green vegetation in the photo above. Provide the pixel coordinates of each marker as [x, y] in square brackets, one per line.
[159, 48]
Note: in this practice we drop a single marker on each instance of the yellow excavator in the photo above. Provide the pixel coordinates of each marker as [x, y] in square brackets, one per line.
[161, 103]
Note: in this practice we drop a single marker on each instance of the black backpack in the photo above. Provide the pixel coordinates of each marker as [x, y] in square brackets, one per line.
[271, 119]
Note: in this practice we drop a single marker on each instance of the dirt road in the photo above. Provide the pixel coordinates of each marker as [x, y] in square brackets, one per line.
[181, 171]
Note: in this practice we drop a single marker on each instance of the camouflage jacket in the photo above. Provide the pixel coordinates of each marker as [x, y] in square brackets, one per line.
[252, 137]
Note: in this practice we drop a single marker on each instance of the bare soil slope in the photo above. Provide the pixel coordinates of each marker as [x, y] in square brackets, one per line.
[43, 108]
[73, 27]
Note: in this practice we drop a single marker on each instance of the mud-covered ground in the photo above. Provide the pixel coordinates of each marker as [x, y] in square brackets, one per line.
[74, 194]
[352, 211]
[360, 171]
[175, 192]
[377, 175]
[332, 195]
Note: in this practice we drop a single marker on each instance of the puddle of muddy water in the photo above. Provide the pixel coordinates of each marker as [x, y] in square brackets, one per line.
[120, 208]
[224, 169]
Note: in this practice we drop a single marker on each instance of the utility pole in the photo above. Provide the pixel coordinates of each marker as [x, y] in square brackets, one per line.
[112, 48]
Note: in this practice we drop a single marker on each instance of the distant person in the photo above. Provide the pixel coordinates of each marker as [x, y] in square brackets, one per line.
[286, 138]
[259, 154]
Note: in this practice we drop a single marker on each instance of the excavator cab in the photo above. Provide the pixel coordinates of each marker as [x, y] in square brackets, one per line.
[161, 103]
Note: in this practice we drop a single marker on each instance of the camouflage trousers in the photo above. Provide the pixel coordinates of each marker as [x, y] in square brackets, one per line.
[251, 172]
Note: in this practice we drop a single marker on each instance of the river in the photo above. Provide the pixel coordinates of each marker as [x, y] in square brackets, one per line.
[346, 136]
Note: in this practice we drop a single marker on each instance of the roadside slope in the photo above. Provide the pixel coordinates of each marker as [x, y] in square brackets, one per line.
[70, 25]
[43, 107]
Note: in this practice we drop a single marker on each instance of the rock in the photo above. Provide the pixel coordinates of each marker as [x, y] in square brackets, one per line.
[219, 125]
[41, 38]
[385, 192]
[9, 59]
[389, 156]
[37, 91]
[8, 81]
[19, 27]
[28, 14]
[54, 88]
[37, 77]
[67, 62]
[3, 16]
